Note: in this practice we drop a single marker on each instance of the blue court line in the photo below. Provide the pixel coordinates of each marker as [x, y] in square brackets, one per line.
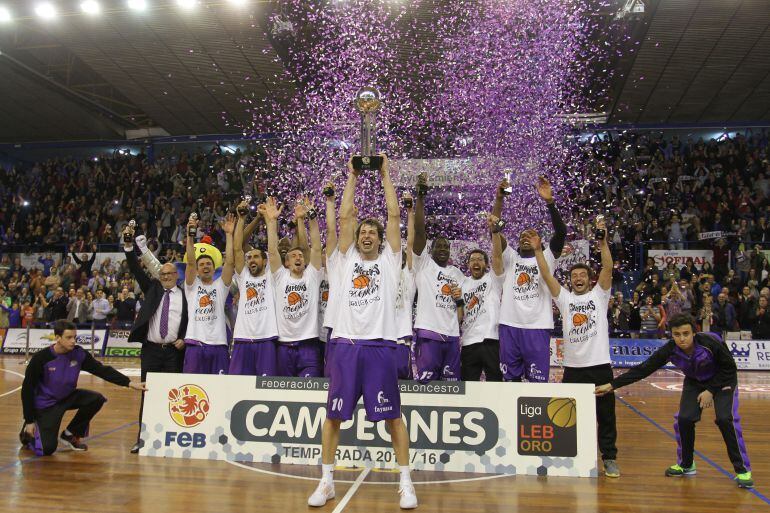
[697, 452]
[33, 458]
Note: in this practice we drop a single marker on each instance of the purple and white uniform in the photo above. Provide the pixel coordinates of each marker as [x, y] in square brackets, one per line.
[364, 338]
[206, 336]
[256, 327]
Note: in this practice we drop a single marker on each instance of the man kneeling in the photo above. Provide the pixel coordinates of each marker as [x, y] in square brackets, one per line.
[50, 389]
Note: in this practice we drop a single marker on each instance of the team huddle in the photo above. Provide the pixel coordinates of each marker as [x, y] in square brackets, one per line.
[347, 311]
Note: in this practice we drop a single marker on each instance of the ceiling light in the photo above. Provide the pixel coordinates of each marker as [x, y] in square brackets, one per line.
[46, 10]
[91, 7]
[137, 5]
[5, 14]
[187, 4]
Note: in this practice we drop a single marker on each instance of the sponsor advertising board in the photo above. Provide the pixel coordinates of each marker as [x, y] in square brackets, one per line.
[513, 428]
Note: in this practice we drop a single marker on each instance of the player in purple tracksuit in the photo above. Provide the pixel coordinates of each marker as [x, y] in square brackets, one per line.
[50, 389]
[711, 378]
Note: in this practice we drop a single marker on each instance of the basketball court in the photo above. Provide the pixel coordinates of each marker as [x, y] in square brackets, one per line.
[107, 478]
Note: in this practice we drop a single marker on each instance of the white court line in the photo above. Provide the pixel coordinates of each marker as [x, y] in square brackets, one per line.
[675, 371]
[444, 481]
[15, 389]
[360, 479]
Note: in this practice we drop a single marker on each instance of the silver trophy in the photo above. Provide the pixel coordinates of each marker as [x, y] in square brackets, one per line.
[367, 103]
[128, 234]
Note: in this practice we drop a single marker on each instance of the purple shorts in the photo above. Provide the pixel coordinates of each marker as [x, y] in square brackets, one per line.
[436, 359]
[404, 358]
[299, 359]
[525, 353]
[254, 357]
[205, 359]
[360, 369]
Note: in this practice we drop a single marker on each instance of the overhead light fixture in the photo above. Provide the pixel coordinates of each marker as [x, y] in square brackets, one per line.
[91, 7]
[239, 3]
[5, 14]
[46, 10]
[137, 5]
[187, 4]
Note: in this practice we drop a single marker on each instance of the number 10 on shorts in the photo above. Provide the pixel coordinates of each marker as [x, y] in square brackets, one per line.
[337, 404]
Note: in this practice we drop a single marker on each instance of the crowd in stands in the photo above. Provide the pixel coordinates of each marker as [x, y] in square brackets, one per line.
[660, 191]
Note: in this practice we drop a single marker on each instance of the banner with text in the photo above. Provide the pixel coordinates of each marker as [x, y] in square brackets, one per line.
[118, 345]
[678, 257]
[750, 354]
[624, 352]
[513, 428]
[16, 339]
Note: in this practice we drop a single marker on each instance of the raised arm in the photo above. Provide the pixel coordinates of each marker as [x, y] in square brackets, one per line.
[270, 212]
[393, 227]
[545, 271]
[300, 214]
[331, 220]
[347, 211]
[497, 246]
[238, 237]
[316, 251]
[605, 275]
[228, 226]
[409, 231]
[559, 228]
[249, 230]
[420, 236]
[191, 270]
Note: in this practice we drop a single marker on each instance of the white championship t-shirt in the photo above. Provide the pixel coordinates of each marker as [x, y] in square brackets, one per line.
[586, 331]
[482, 308]
[526, 301]
[332, 273]
[206, 312]
[323, 303]
[404, 302]
[436, 310]
[256, 306]
[296, 304]
[366, 305]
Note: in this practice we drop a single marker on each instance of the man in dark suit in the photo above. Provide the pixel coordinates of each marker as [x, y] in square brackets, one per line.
[161, 322]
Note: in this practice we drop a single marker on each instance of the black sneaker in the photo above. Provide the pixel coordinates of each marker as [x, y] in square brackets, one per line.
[24, 438]
[73, 442]
[138, 445]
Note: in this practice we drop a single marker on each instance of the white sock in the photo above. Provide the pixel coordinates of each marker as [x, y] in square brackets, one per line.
[405, 476]
[327, 471]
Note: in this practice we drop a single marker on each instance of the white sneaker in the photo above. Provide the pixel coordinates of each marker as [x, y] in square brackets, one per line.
[323, 493]
[408, 496]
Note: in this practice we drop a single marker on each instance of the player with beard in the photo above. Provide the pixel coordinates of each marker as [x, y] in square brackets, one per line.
[256, 328]
[365, 334]
[586, 336]
[206, 336]
[439, 302]
[481, 294]
[296, 296]
[526, 319]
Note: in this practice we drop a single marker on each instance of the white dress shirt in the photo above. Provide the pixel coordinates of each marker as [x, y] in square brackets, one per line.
[174, 318]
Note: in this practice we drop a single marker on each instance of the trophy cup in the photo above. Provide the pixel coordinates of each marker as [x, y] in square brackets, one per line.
[192, 231]
[367, 104]
[129, 234]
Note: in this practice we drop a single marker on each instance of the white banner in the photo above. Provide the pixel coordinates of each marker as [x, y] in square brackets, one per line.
[118, 345]
[493, 428]
[16, 338]
[714, 235]
[750, 354]
[679, 256]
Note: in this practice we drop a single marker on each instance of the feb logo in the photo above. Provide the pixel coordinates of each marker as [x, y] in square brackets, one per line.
[188, 405]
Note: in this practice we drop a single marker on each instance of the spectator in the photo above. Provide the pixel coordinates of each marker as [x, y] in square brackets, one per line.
[706, 312]
[723, 315]
[653, 318]
[760, 329]
[101, 308]
[126, 306]
[58, 305]
[746, 307]
[14, 314]
[635, 318]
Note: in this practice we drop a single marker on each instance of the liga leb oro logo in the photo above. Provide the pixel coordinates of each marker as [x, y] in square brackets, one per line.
[188, 405]
[547, 426]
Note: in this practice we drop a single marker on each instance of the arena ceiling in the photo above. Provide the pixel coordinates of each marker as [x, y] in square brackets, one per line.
[681, 61]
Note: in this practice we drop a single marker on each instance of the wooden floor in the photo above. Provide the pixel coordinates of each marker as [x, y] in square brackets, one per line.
[107, 478]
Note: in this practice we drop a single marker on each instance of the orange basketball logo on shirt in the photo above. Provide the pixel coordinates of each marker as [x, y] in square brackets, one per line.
[294, 298]
[325, 296]
[251, 293]
[579, 319]
[472, 303]
[523, 279]
[204, 301]
[446, 289]
[361, 282]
